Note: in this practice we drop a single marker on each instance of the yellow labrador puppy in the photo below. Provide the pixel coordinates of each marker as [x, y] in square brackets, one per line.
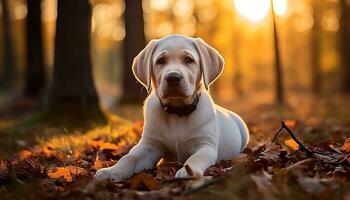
[180, 116]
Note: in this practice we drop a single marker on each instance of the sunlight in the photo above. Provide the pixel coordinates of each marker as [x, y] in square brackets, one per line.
[161, 5]
[280, 7]
[257, 10]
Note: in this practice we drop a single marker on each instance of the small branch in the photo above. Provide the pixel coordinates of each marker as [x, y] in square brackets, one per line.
[302, 147]
[290, 132]
[277, 134]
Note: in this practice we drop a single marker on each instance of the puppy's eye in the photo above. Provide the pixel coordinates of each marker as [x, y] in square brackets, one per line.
[161, 61]
[189, 60]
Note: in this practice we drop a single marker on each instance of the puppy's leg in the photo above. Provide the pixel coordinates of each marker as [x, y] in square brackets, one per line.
[142, 156]
[204, 157]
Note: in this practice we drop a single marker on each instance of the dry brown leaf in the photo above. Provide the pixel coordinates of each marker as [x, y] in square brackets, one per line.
[74, 170]
[291, 123]
[263, 181]
[99, 164]
[25, 154]
[101, 145]
[60, 172]
[346, 146]
[4, 169]
[291, 144]
[144, 179]
[271, 152]
[311, 185]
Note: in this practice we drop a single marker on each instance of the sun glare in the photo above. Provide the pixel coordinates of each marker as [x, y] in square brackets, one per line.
[257, 10]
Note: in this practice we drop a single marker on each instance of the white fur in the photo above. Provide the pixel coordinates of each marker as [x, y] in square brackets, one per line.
[206, 136]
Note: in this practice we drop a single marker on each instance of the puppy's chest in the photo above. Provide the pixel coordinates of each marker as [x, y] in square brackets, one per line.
[177, 136]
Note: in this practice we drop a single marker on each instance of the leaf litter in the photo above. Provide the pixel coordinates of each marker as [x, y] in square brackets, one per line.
[270, 167]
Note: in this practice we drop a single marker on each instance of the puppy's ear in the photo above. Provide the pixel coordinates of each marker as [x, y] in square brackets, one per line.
[211, 62]
[142, 65]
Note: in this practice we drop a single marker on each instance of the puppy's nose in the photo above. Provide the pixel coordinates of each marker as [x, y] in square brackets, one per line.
[173, 77]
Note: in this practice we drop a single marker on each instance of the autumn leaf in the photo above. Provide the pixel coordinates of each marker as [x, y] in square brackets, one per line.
[316, 185]
[67, 173]
[291, 144]
[25, 154]
[263, 181]
[74, 170]
[101, 145]
[144, 179]
[4, 170]
[99, 164]
[346, 146]
[290, 123]
[60, 172]
[271, 152]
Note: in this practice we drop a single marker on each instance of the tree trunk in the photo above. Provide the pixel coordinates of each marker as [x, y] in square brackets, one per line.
[35, 71]
[238, 75]
[278, 66]
[344, 39]
[315, 51]
[134, 42]
[73, 89]
[7, 73]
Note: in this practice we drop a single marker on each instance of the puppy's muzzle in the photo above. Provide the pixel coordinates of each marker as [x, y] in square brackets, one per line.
[173, 78]
[174, 85]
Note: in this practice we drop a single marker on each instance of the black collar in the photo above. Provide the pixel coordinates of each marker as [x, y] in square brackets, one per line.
[181, 110]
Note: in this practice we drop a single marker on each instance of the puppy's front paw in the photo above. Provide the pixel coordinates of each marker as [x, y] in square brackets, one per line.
[187, 173]
[111, 174]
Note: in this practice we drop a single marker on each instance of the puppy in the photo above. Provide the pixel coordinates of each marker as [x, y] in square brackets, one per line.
[180, 117]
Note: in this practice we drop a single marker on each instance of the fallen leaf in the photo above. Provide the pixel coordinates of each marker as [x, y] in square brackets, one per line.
[271, 153]
[291, 144]
[346, 146]
[290, 123]
[311, 185]
[60, 172]
[101, 145]
[74, 170]
[99, 164]
[25, 154]
[4, 170]
[263, 181]
[144, 179]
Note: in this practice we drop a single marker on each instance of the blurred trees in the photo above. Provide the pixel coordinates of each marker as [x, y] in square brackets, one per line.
[35, 71]
[277, 64]
[344, 39]
[316, 32]
[73, 90]
[134, 42]
[7, 73]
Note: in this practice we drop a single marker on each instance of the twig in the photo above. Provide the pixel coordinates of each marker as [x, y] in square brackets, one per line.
[277, 134]
[301, 146]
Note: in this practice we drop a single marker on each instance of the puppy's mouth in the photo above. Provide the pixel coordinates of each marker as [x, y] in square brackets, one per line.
[174, 94]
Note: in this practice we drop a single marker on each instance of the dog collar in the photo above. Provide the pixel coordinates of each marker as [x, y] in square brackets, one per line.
[181, 110]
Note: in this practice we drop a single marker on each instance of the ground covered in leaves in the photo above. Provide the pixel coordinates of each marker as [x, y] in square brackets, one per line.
[304, 158]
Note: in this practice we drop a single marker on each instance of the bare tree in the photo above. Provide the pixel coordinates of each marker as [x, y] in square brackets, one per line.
[344, 40]
[73, 89]
[35, 71]
[315, 50]
[7, 73]
[278, 66]
[134, 42]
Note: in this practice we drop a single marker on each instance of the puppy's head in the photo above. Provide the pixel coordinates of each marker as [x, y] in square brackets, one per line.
[176, 66]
